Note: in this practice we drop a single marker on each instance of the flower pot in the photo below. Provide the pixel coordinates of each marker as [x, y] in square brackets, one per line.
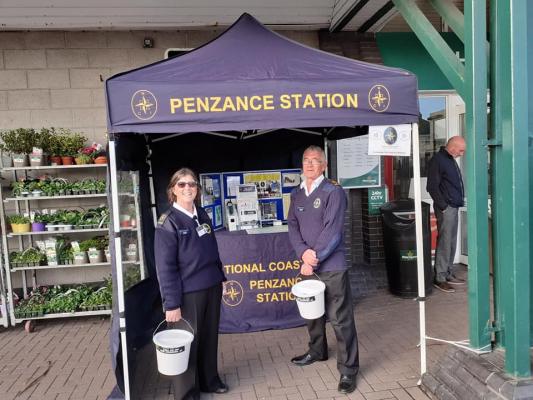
[37, 160]
[24, 194]
[107, 255]
[20, 160]
[100, 160]
[67, 160]
[55, 160]
[125, 221]
[20, 228]
[80, 257]
[82, 161]
[38, 226]
[36, 193]
[131, 253]
[96, 256]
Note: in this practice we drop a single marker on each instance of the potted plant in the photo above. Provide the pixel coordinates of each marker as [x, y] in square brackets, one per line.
[31, 257]
[53, 147]
[19, 143]
[39, 222]
[19, 223]
[70, 144]
[83, 159]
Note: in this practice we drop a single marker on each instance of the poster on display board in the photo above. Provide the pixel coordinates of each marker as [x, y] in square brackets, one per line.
[355, 168]
[389, 140]
[211, 196]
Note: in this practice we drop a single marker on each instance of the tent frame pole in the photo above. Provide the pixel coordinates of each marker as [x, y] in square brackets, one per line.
[117, 247]
[419, 249]
[151, 179]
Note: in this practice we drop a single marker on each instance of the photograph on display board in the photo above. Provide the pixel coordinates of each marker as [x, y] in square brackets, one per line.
[269, 210]
[291, 179]
[218, 215]
[268, 184]
[208, 197]
[209, 212]
[231, 184]
[286, 205]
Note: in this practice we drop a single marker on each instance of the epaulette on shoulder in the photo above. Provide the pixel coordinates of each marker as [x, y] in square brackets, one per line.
[334, 182]
[163, 218]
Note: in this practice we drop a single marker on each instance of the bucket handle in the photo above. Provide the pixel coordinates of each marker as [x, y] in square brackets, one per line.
[299, 274]
[182, 319]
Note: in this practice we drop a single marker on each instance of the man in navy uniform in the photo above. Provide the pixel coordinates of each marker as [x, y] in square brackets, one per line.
[316, 220]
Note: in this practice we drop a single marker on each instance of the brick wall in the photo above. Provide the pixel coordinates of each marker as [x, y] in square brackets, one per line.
[56, 78]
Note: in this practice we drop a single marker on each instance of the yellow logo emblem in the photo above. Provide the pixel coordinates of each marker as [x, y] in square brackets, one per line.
[232, 294]
[379, 98]
[144, 104]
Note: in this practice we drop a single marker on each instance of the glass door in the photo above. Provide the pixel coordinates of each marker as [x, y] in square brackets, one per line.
[461, 255]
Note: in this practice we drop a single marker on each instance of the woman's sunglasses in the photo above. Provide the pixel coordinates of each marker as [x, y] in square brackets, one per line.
[181, 185]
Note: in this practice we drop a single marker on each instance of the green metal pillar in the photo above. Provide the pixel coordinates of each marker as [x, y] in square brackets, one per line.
[511, 201]
[529, 46]
[477, 177]
[451, 15]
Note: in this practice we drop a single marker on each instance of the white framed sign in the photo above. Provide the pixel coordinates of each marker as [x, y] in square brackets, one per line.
[389, 140]
[355, 168]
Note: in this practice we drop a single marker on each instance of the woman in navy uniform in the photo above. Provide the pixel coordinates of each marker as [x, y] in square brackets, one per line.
[190, 277]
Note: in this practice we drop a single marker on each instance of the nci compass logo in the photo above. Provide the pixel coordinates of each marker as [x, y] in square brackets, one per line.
[144, 104]
[233, 293]
[379, 98]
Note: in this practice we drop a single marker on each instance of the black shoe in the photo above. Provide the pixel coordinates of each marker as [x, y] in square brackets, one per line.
[222, 388]
[306, 359]
[347, 384]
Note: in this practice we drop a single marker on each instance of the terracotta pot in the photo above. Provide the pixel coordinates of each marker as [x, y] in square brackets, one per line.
[100, 160]
[55, 160]
[67, 160]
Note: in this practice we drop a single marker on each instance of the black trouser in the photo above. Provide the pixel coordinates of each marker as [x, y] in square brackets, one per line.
[339, 311]
[202, 310]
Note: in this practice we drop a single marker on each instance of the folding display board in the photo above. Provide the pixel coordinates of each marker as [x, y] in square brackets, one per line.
[219, 193]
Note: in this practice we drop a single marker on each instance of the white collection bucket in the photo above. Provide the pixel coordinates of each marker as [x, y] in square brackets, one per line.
[172, 348]
[310, 298]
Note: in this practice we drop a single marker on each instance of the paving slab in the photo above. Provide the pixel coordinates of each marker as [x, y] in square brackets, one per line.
[69, 359]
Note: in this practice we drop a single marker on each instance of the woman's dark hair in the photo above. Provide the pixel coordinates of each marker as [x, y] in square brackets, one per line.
[180, 173]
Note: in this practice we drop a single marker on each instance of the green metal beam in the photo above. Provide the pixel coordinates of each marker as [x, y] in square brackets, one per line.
[477, 178]
[451, 15]
[439, 50]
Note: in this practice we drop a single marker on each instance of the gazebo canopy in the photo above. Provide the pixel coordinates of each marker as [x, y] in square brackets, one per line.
[252, 78]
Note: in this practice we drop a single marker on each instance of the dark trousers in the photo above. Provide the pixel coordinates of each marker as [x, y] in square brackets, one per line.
[202, 310]
[339, 311]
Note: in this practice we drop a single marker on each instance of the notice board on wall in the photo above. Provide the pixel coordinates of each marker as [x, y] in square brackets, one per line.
[355, 168]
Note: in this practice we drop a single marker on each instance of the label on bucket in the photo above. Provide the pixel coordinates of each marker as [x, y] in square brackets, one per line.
[171, 350]
[306, 299]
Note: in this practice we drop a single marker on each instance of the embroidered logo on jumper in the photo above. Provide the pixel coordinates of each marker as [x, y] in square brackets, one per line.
[316, 203]
[232, 294]
[144, 104]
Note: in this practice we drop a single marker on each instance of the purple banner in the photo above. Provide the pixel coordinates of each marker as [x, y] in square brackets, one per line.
[261, 270]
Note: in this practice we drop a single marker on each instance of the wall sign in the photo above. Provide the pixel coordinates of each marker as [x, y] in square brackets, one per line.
[376, 198]
[389, 140]
[355, 168]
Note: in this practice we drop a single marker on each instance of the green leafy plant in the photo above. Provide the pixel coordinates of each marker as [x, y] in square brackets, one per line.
[18, 219]
[70, 143]
[19, 141]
